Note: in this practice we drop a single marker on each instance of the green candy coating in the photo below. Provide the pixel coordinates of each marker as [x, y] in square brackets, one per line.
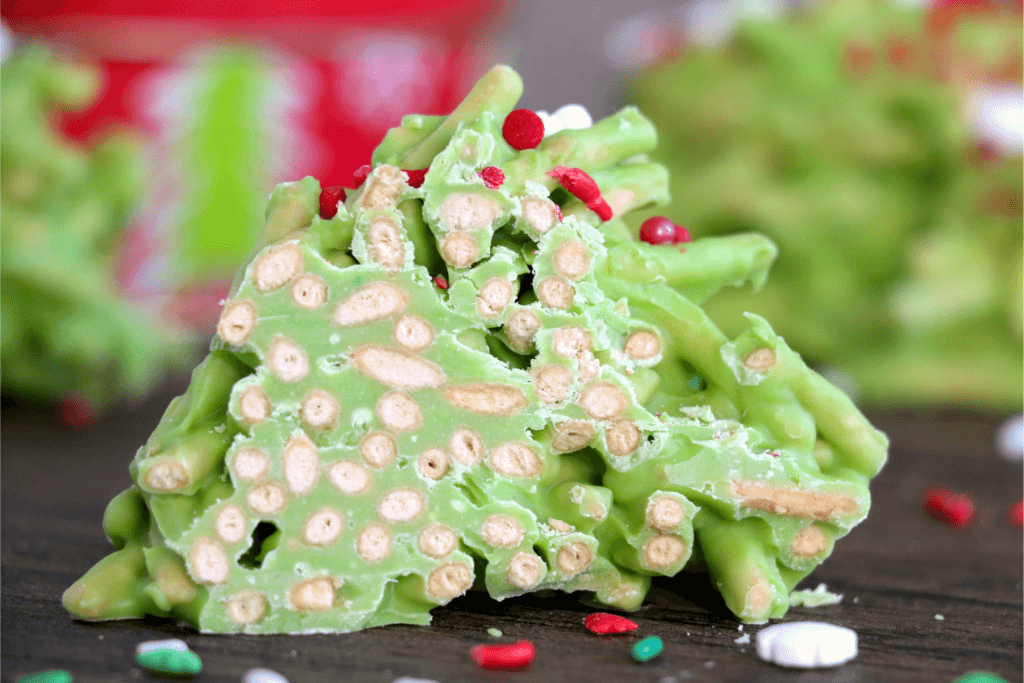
[361, 445]
[647, 649]
[169, 662]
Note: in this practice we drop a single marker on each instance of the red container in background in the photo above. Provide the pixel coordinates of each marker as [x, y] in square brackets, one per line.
[347, 71]
[360, 65]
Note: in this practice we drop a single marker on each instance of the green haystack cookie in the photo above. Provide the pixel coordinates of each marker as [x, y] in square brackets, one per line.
[458, 385]
[900, 250]
[66, 330]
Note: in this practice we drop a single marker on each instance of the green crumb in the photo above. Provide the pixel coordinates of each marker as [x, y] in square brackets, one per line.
[51, 676]
[495, 632]
[647, 649]
[980, 677]
[818, 597]
[170, 662]
[939, 617]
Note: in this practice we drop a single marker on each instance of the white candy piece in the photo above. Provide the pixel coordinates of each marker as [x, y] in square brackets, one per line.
[806, 644]
[569, 117]
[574, 116]
[169, 644]
[263, 676]
[1010, 439]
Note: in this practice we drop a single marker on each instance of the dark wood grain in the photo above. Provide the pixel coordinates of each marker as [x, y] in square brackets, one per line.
[897, 571]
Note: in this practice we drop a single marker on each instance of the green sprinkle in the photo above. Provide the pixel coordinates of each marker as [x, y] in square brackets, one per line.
[648, 648]
[494, 632]
[939, 617]
[51, 676]
[171, 662]
[980, 677]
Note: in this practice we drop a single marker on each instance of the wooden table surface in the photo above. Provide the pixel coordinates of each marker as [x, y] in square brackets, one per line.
[896, 571]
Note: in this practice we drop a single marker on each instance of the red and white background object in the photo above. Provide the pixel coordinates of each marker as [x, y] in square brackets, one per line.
[345, 72]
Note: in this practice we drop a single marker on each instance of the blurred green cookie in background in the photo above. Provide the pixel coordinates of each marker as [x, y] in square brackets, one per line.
[839, 133]
[67, 333]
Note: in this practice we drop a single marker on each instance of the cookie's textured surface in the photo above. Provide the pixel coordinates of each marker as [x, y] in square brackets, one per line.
[362, 445]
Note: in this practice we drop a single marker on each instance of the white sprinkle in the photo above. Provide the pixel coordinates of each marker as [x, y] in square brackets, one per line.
[334, 338]
[574, 117]
[1010, 439]
[939, 617]
[220, 428]
[807, 644]
[263, 676]
[169, 644]
[740, 627]
[552, 124]
[709, 665]
[743, 640]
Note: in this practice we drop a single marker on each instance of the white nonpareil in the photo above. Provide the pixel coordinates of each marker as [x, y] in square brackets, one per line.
[263, 676]
[1010, 439]
[569, 117]
[806, 644]
[169, 644]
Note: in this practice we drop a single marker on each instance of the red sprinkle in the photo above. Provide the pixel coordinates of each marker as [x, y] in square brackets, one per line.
[77, 412]
[682, 235]
[515, 656]
[416, 177]
[603, 623]
[658, 230]
[1015, 515]
[601, 208]
[441, 282]
[774, 454]
[329, 198]
[359, 175]
[558, 212]
[949, 507]
[493, 177]
[577, 182]
[523, 129]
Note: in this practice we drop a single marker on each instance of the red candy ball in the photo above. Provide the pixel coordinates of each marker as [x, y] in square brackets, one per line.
[523, 129]
[493, 177]
[658, 230]
[682, 235]
[329, 198]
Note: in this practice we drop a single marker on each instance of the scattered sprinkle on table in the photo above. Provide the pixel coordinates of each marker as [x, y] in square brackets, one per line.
[806, 644]
[170, 662]
[1010, 439]
[51, 676]
[169, 644]
[939, 617]
[743, 640]
[980, 677]
[494, 632]
[952, 508]
[263, 676]
[647, 649]
[514, 656]
[603, 623]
